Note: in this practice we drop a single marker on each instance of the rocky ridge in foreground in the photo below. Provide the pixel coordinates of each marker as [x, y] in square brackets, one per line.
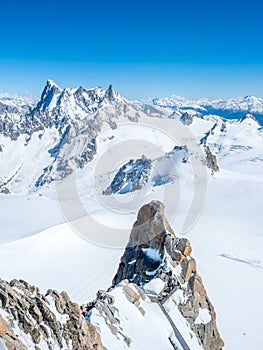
[31, 320]
[156, 285]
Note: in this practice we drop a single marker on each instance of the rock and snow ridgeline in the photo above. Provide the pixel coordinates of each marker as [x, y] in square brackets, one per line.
[30, 320]
[136, 174]
[156, 283]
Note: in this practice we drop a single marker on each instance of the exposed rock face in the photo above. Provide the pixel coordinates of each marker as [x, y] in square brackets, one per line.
[211, 160]
[132, 176]
[154, 251]
[146, 248]
[135, 174]
[30, 320]
[187, 118]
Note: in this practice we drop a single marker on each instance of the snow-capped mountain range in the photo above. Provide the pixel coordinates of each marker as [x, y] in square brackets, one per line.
[62, 121]
[234, 108]
[60, 132]
[70, 130]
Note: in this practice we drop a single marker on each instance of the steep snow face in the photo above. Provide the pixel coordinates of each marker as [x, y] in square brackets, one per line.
[49, 97]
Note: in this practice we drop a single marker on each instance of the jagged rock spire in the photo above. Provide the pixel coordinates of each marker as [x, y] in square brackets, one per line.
[154, 252]
[110, 94]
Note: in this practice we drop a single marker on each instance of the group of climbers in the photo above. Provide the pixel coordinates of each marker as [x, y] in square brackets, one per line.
[170, 280]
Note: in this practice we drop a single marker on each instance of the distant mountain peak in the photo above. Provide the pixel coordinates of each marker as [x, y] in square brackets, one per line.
[51, 89]
[51, 86]
[50, 82]
[76, 101]
[250, 117]
[112, 96]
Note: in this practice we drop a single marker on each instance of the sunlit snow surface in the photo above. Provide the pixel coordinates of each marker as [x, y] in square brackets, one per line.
[227, 240]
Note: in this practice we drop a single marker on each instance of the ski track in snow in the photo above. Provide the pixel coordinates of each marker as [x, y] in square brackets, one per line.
[253, 263]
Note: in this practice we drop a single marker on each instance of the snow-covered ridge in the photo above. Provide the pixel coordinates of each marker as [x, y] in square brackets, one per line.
[17, 101]
[228, 108]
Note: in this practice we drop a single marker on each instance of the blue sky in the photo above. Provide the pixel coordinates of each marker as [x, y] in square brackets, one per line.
[144, 48]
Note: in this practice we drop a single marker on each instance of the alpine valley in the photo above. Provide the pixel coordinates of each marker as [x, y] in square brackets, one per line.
[130, 224]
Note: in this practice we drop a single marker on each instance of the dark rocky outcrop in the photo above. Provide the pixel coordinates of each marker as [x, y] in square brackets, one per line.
[131, 176]
[211, 160]
[51, 321]
[154, 251]
[187, 118]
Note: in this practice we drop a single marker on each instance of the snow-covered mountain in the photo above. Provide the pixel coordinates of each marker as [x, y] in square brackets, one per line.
[17, 101]
[76, 131]
[234, 108]
[60, 133]
[61, 129]
[75, 102]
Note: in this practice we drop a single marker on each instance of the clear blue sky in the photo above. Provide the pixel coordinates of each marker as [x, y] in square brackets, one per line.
[145, 48]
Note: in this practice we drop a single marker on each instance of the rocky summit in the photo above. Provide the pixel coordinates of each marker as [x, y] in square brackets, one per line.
[156, 284]
[155, 254]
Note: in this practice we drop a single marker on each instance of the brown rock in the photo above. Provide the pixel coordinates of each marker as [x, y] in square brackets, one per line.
[178, 256]
[151, 232]
[211, 160]
[3, 326]
[184, 246]
[188, 268]
[22, 302]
